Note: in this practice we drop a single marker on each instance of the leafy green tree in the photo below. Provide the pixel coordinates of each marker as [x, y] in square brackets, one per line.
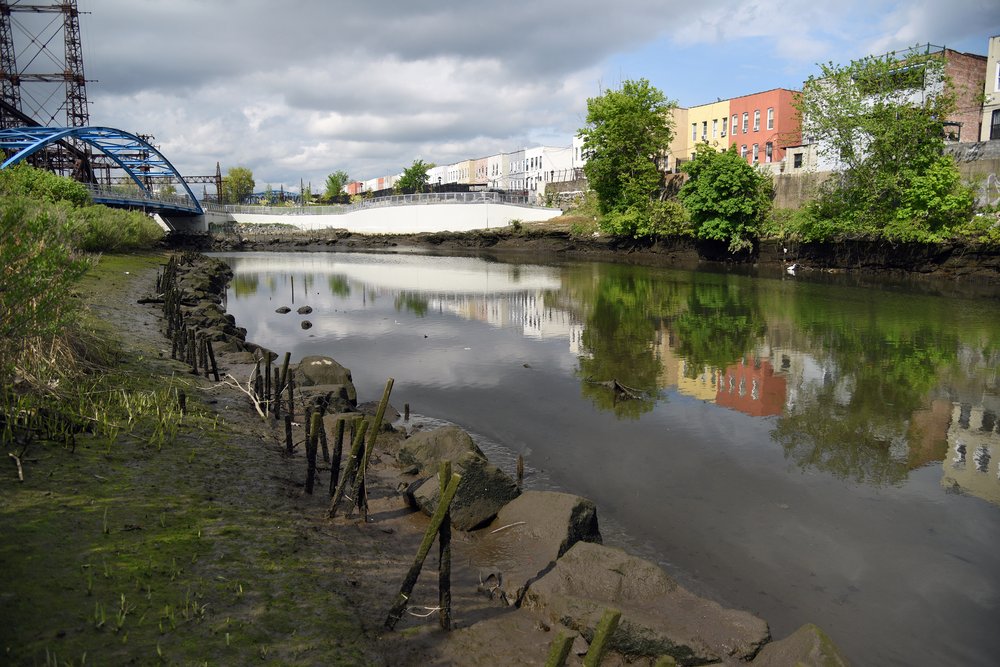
[627, 129]
[727, 198]
[414, 177]
[880, 119]
[335, 184]
[238, 185]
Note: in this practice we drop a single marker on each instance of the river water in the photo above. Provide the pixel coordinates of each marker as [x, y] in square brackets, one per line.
[803, 447]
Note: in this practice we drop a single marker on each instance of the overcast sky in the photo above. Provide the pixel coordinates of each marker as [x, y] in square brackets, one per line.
[297, 89]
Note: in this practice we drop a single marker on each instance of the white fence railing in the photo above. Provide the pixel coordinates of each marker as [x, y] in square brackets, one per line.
[134, 194]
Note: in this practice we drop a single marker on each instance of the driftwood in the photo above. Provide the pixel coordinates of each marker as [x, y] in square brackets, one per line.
[621, 390]
[20, 470]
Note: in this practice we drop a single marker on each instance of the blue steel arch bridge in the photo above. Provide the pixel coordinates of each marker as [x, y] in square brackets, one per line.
[148, 170]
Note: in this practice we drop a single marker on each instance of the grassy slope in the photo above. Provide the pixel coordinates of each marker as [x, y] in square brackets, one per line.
[145, 550]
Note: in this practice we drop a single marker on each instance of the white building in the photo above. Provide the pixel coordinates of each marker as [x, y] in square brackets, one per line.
[990, 129]
[547, 164]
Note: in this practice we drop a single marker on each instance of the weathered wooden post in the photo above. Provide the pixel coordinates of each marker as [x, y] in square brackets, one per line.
[360, 492]
[559, 651]
[520, 470]
[288, 434]
[432, 529]
[444, 554]
[311, 443]
[338, 452]
[602, 636]
[211, 358]
[350, 468]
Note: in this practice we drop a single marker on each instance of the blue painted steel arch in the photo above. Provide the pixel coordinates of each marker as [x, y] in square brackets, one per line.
[137, 157]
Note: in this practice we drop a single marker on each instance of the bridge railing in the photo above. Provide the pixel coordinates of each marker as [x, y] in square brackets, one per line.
[379, 202]
[130, 194]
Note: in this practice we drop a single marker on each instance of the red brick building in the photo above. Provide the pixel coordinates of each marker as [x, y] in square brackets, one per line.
[762, 125]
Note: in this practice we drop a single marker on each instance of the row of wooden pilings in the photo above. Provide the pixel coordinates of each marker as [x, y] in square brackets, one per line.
[271, 389]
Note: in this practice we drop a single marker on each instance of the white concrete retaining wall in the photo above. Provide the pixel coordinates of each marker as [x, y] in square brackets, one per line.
[412, 219]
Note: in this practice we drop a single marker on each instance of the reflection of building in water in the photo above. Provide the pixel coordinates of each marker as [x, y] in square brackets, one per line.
[676, 371]
[973, 461]
[526, 310]
[752, 388]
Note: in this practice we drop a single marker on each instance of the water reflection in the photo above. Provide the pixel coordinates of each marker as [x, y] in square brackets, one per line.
[856, 383]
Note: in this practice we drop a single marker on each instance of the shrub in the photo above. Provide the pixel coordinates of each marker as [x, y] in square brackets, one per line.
[23, 179]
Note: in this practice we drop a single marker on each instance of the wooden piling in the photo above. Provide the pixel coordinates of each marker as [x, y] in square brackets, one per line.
[291, 396]
[432, 529]
[444, 554]
[520, 470]
[311, 445]
[350, 468]
[338, 452]
[360, 494]
[406, 412]
[211, 358]
[602, 637]
[288, 434]
[560, 650]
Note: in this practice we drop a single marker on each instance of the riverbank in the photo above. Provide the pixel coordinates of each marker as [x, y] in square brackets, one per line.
[210, 549]
[967, 265]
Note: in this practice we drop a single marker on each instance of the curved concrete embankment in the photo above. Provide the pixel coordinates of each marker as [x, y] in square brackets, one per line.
[408, 219]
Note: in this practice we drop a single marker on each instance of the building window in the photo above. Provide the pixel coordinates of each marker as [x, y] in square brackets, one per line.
[756, 120]
[734, 123]
[724, 121]
[746, 122]
[756, 153]
[768, 151]
[770, 118]
[995, 125]
[694, 131]
[797, 160]
[743, 151]
[704, 130]
[715, 127]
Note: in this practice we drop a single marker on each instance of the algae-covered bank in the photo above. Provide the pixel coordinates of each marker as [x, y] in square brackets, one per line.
[185, 535]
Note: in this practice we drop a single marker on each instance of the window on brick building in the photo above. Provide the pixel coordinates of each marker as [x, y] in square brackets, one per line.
[746, 122]
[743, 151]
[756, 120]
[724, 121]
[756, 153]
[768, 152]
[735, 121]
[770, 118]
[995, 125]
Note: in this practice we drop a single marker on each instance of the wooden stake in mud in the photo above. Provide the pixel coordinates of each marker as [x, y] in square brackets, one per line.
[279, 385]
[181, 401]
[350, 469]
[360, 492]
[444, 554]
[267, 384]
[406, 412]
[559, 651]
[338, 452]
[602, 636]
[291, 397]
[520, 470]
[322, 439]
[211, 358]
[311, 444]
[258, 380]
[432, 529]
[288, 434]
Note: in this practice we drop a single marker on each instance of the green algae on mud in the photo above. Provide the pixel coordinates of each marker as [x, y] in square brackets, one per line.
[172, 547]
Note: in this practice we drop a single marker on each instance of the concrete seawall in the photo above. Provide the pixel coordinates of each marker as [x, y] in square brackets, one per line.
[410, 219]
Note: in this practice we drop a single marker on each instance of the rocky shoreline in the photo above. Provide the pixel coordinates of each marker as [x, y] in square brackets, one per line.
[534, 558]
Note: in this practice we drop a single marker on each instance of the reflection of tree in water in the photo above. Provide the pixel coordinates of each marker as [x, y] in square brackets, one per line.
[245, 284]
[722, 323]
[625, 306]
[847, 426]
[414, 303]
[339, 285]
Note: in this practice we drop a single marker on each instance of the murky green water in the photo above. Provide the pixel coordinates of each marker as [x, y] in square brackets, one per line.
[801, 447]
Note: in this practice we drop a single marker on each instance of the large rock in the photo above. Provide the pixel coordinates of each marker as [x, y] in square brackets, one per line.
[427, 449]
[659, 617]
[484, 489]
[320, 370]
[808, 646]
[529, 533]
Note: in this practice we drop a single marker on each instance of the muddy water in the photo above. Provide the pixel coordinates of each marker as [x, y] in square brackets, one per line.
[804, 448]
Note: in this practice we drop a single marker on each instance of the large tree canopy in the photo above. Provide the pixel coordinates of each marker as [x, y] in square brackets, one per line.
[627, 130]
[238, 185]
[727, 198]
[880, 121]
[414, 177]
[335, 183]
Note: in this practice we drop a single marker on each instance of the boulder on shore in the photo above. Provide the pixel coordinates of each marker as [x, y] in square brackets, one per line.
[319, 370]
[659, 617]
[529, 533]
[484, 489]
[425, 450]
[808, 646]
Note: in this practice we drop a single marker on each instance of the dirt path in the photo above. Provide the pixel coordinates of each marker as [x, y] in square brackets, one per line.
[206, 550]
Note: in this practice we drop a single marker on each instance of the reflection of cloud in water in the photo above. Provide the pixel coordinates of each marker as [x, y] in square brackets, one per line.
[414, 273]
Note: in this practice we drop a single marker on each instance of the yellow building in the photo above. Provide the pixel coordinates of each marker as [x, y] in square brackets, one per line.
[706, 123]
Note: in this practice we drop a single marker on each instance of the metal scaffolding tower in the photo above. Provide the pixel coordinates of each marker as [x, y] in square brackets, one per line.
[36, 33]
